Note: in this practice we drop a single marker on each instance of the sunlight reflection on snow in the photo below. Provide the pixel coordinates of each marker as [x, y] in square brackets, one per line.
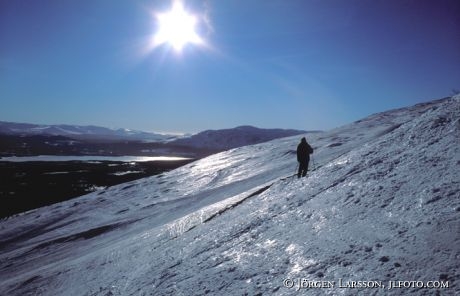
[296, 268]
[320, 222]
[270, 243]
[240, 256]
[339, 162]
[300, 262]
[291, 249]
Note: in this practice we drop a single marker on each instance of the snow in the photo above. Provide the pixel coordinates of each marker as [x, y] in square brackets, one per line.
[92, 158]
[235, 137]
[83, 132]
[456, 97]
[382, 205]
[126, 173]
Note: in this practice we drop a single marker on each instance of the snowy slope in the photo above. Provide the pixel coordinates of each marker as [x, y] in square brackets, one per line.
[383, 204]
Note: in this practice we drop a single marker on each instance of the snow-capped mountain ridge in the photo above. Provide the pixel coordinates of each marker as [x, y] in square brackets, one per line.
[381, 204]
[235, 137]
[216, 140]
[81, 131]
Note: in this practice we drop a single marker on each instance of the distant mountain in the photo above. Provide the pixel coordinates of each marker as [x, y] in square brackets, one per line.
[89, 132]
[22, 139]
[235, 137]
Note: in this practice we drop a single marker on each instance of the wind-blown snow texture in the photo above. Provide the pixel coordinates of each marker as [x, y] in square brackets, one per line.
[383, 204]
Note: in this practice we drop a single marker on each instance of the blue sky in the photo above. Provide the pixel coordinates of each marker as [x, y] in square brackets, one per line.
[306, 64]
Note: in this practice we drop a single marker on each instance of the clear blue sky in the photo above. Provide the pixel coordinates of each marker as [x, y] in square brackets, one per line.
[306, 64]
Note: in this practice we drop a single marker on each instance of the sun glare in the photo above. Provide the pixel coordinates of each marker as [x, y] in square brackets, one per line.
[177, 28]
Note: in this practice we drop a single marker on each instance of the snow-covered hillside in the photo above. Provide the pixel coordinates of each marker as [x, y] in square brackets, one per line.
[383, 204]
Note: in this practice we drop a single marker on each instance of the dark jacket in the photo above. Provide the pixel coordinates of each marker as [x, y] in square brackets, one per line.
[303, 151]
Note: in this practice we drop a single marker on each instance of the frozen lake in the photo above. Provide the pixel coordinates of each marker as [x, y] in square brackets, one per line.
[91, 158]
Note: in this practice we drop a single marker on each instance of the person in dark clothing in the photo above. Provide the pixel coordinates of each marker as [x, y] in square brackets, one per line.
[303, 157]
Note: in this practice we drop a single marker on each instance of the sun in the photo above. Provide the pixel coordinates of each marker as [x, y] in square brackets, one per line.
[177, 28]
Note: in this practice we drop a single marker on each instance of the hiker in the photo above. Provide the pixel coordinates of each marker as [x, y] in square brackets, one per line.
[303, 157]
